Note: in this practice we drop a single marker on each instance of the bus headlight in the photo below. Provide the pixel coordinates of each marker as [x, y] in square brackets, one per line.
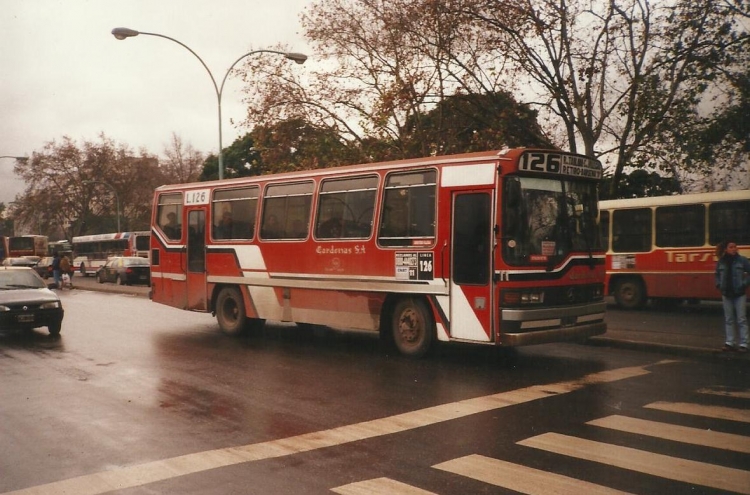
[522, 297]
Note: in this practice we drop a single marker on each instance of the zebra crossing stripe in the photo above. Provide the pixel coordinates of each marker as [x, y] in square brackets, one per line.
[520, 478]
[726, 392]
[676, 433]
[716, 412]
[151, 472]
[380, 486]
[673, 468]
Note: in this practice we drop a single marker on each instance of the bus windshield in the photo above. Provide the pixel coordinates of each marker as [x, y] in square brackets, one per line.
[547, 219]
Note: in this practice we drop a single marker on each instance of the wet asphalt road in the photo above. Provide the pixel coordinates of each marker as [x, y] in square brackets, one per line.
[131, 388]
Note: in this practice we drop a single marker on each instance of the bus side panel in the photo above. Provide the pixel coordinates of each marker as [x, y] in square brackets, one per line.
[168, 279]
[689, 269]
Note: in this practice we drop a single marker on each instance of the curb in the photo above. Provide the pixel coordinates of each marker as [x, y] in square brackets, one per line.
[679, 350]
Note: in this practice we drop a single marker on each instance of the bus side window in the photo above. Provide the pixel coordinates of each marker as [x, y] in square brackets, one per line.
[729, 219]
[169, 215]
[286, 211]
[680, 226]
[631, 230]
[346, 207]
[408, 209]
[233, 213]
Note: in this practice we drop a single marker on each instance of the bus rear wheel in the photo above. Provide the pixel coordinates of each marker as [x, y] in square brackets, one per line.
[630, 293]
[230, 311]
[412, 327]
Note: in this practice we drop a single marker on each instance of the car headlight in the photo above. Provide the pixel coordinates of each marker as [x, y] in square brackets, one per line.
[4, 308]
[50, 305]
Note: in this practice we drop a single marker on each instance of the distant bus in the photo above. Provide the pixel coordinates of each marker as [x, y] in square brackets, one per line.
[63, 247]
[28, 245]
[3, 247]
[92, 251]
[663, 248]
[496, 248]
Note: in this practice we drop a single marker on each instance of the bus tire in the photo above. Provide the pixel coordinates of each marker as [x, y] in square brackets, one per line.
[630, 293]
[230, 311]
[412, 327]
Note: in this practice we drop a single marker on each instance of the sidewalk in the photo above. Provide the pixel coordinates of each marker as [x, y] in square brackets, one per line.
[623, 332]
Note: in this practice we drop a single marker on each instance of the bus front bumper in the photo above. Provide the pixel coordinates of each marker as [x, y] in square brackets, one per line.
[544, 325]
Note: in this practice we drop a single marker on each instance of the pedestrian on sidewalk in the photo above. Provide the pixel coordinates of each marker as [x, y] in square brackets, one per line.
[56, 273]
[65, 269]
[732, 272]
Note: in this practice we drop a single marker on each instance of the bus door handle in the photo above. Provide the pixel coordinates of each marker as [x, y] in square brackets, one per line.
[442, 263]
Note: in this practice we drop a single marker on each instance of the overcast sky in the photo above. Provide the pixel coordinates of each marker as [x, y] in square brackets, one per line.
[62, 73]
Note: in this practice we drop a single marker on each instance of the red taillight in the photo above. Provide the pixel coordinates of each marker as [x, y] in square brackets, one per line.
[128, 270]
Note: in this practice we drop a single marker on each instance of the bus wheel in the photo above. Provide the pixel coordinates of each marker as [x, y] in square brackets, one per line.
[230, 311]
[630, 293]
[413, 328]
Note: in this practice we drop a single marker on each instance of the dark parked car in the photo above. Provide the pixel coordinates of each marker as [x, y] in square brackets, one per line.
[19, 262]
[125, 270]
[26, 302]
[44, 267]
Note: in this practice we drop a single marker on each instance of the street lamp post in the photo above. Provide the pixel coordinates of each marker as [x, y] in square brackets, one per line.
[124, 33]
[117, 197]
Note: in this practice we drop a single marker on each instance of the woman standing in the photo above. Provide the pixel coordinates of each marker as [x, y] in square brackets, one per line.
[732, 271]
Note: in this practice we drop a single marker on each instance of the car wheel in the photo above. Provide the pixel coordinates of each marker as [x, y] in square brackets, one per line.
[54, 329]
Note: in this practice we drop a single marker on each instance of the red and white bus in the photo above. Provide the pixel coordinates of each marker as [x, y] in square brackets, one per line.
[664, 248]
[3, 247]
[92, 251]
[28, 245]
[497, 247]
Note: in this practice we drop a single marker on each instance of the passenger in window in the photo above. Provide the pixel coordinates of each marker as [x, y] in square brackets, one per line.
[172, 228]
[271, 227]
[224, 229]
[732, 271]
[331, 228]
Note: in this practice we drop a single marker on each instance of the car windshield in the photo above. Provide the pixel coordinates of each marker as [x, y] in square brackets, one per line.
[136, 261]
[20, 279]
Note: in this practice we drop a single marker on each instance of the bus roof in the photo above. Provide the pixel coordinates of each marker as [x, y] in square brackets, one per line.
[681, 199]
[479, 156]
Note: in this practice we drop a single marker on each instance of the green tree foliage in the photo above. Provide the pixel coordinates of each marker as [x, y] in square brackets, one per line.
[464, 123]
[58, 202]
[612, 80]
[182, 163]
[641, 183]
[386, 86]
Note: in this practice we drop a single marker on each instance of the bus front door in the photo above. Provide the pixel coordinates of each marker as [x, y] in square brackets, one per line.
[471, 310]
[196, 260]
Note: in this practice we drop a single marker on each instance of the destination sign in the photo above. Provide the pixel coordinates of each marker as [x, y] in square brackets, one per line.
[561, 164]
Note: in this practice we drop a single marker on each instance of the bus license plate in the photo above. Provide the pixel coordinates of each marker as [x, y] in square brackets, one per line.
[25, 318]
